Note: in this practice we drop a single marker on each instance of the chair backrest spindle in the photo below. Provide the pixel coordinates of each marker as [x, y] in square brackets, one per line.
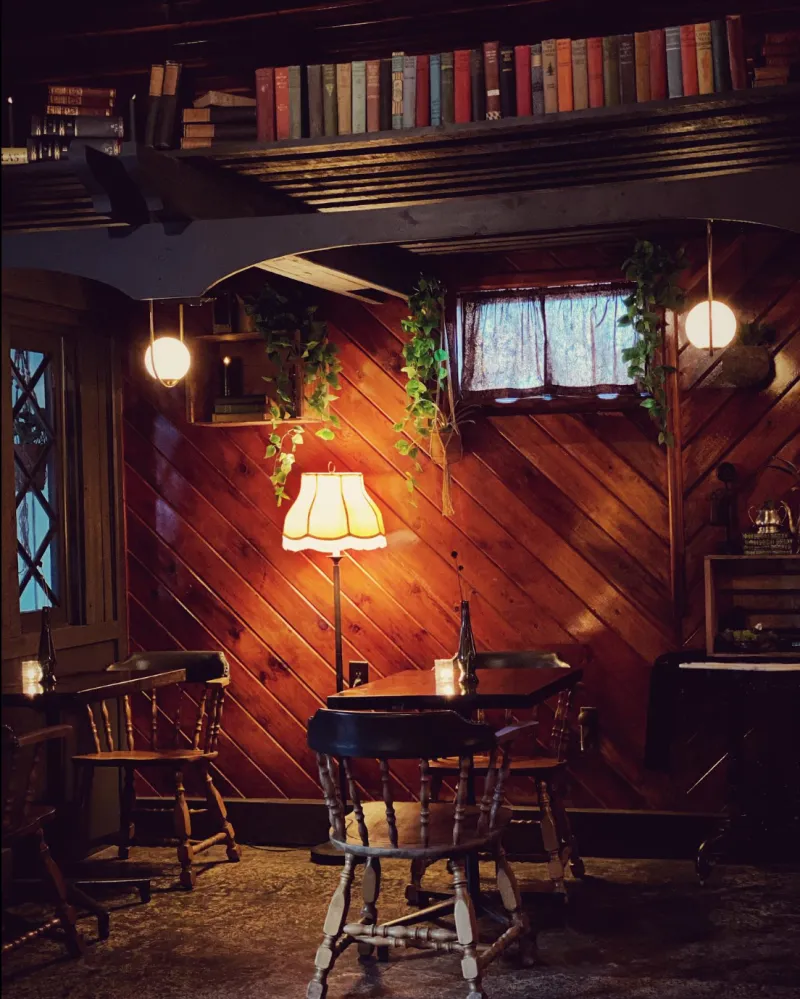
[388, 802]
[93, 729]
[331, 793]
[201, 714]
[424, 801]
[176, 722]
[465, 764]
[214, 718]
[355, 797]
[126, 705]
[107, 726]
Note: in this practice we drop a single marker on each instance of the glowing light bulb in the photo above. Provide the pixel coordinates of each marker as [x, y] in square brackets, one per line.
[723, 320]
[167, 359]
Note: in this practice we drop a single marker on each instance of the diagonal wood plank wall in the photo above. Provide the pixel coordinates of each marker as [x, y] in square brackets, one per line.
[562, 523]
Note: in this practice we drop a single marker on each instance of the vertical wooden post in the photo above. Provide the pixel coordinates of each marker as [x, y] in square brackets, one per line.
[675, 478]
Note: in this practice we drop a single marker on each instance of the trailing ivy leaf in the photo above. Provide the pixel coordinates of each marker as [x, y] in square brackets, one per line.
[325, 434]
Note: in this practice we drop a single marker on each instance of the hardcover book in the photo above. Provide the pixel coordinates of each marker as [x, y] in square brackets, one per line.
[77, 109]
[688, 60]
[316, 116]
[550, 76]
[264, 109]
[222, 99]
[282, 123]
[436, 88]
[295, 102]
[227, 130]
[102, 101]
[359, 90]
[448, 88]
[386, 94]
[165, 127]
[564, 70]
[491, 66]
[641, 45]
[461, 85]
[373, 95]
[153, 103]
[344, 97]
[736, 51]
[409, 91]
[627, 70]
[397, 89]
[53, 147]
[423, 112]
[219, 115]
[330, 110]
[508, 89]
[522, 76]
[477, 85]
[83, 95]
[580, 75]
[705, 61]
[78, 126]
[720, 57]
[658, 65]
[537, 80]
[594, 60]
[611, 70]
[672, 38]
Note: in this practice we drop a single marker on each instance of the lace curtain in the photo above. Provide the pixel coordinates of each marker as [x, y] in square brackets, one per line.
[518, 344]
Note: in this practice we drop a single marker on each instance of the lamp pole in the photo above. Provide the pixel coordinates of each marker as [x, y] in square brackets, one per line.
[336, 558]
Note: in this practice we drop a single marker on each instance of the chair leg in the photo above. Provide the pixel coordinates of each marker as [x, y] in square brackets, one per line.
[512, 902]
[467, 930]
[64, 911]
[216, 806]
[183, 830]
[564, 830]
[127, 806]
[370, 889]
[550, 837]
[332, 928]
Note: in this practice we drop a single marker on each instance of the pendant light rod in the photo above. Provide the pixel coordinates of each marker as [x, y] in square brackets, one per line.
[709, 259]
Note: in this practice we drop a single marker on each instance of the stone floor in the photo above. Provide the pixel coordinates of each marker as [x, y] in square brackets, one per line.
[634, 929]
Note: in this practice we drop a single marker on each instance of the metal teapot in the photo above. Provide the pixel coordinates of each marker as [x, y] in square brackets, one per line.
[768, 519]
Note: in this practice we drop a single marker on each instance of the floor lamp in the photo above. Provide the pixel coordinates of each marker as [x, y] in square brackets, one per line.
[333, 513]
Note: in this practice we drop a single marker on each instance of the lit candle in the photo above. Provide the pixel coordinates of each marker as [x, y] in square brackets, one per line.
[225, 362]
[11, 121]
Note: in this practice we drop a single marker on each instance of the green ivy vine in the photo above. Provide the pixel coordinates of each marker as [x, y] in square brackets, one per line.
[655, 271]
[295, 340]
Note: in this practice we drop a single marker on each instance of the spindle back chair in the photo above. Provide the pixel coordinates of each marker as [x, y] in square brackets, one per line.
[547, 770]
[417, 830]
[23, 817]
[181, 747]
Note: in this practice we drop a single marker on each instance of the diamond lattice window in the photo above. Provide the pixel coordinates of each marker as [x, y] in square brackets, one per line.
[34, 409]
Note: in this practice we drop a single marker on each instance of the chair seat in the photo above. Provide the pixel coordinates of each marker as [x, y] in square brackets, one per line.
[523, 767]
[143, 757]
[37, 816]
[440, 831]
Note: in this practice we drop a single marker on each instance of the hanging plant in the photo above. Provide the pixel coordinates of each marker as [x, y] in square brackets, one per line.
[431, 413]
[305, 375]
[655, 271]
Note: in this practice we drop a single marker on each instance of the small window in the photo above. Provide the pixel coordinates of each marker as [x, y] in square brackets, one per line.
[544, 343]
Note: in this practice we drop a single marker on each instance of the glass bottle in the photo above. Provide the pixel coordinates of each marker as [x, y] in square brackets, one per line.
[47, 651]
[464, 658]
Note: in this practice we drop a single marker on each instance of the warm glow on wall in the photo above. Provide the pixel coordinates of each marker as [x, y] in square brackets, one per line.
[723, 325]
[167, 358]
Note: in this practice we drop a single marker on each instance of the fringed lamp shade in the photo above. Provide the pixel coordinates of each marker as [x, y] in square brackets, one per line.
[333, 513]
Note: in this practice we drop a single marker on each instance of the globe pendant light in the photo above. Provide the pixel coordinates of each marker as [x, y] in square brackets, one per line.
[167, 359]
[711, 323]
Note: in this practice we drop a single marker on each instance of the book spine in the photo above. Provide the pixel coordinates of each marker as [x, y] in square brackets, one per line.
[165, 129]
[51, 147]
[436, 88]
[265, 104]
[226, 130]
[386, 94]
[736, 51]
[397, 89]
[330, 111]
[14, 155]
[491, 67]
[423, 113]
[105, 94]
[373, 95]
[658, 65]
[688, 60]
[76, 109]
[448, 88]
[720, 57]
[462, 100]
[409, 91]
[611, 70]
[672, 45]
[705, 62]
[218, 116]
[295, 103]
[359, 88]
[522, 75]
[72, 99]
[477, 85]
[344, 97]
[537, 80]
[580, 74]
[282, 121]
[78, 126]
[627, 70]
[564, 70]
[594, 60]
[316, 118]
[219, 98]
[153, 103]
[641, 45]
[550, 75]
[508, 89]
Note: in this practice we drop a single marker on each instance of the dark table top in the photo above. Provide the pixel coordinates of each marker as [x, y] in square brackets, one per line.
[414, 689]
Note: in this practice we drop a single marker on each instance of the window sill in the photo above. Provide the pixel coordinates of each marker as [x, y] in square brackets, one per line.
[562, 404]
